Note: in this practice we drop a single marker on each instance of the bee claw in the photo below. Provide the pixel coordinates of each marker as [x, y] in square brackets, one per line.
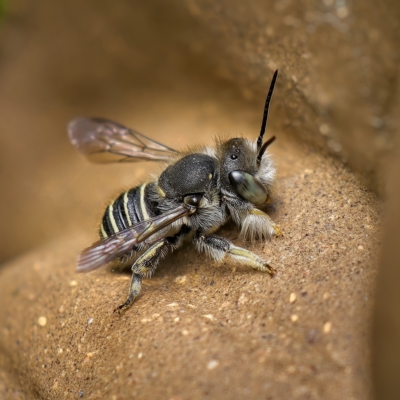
[273, 271]
[120, 308]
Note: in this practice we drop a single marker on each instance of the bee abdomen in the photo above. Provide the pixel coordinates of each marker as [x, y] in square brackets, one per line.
[119, 214]
[128, 209]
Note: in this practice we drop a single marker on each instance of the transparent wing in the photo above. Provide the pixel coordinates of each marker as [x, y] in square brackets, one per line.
[102, 141]
[108, 249]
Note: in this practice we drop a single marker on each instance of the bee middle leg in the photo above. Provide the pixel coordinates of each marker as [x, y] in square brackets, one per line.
[146, 264]
[218, 247]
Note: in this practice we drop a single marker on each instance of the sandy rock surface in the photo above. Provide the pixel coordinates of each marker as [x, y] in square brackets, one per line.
[202, 330]
[183, 72]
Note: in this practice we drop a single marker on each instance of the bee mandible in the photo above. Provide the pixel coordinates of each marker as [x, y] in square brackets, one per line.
[198, 191]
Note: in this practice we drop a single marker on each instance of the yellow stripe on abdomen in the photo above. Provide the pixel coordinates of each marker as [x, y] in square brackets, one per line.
[103, 232]
[112, 219]
[128, 217]
[142, 204]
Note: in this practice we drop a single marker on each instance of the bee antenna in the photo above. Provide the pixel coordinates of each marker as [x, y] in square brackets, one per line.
[264, 147]
[261, 149]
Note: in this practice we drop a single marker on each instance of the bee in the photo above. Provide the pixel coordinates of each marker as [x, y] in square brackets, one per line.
[197, 192]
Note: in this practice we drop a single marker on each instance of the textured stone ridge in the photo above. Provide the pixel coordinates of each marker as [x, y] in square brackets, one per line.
[206, 331]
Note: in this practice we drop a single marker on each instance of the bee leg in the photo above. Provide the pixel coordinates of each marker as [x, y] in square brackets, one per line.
[146, 264]
[218, 247]
[134, 290]
[258, 223]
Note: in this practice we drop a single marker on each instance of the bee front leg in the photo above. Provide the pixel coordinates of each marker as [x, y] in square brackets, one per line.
[218, 247]
[258, 224]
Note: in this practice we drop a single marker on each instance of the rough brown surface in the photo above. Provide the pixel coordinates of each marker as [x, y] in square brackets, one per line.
[207, 331]
[182, 73]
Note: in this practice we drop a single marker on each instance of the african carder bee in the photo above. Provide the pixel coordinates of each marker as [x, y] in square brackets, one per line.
[196, 193]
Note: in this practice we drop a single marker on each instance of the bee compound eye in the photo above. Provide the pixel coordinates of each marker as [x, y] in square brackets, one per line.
[248, 187]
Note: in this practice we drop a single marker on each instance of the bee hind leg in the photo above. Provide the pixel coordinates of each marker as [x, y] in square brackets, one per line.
[218, 247]
[134, 290]
[146, 264]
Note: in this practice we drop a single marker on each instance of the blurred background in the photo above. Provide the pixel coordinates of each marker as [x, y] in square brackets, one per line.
[182, 72]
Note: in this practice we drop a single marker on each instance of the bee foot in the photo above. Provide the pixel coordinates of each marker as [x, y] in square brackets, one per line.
[277, 230]
[271, 271]
[118, 309]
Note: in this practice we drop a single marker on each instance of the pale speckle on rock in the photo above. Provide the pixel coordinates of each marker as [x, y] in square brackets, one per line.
[224, 304]
[327, 327]
[243, 299]
[140, 356]
[294, 318]
[291, 369]
[342, 12]
[185, 332]
[324, 129]
[360, 247]
[212, 364]
[42, 321]
[292, 297]
[209, 316]
[123, 278]
[181, 279]
[36, 266]
[73, 283]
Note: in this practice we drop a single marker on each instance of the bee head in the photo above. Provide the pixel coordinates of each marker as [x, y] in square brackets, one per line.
[242, 164]
[239, 167]
[243, 169]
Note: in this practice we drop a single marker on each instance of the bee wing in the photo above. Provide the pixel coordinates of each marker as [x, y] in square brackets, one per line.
[108, 249]
[102, 141]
